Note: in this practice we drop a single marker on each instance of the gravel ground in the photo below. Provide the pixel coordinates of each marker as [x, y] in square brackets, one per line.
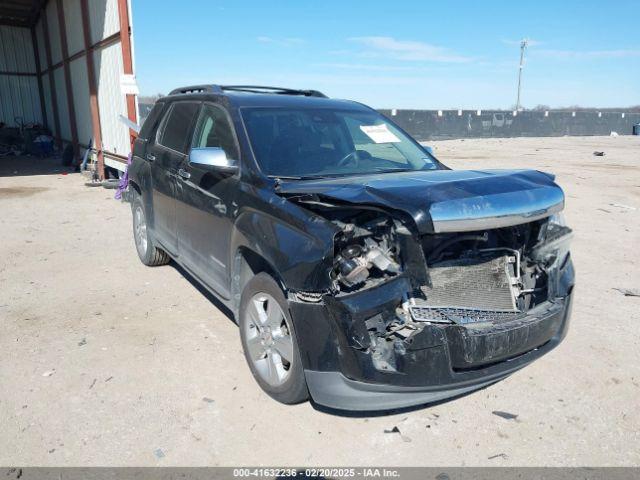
[107, 362]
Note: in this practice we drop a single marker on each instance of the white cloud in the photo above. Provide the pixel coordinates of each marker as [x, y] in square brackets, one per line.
[567, 54]
[407, 50]
[282, 42]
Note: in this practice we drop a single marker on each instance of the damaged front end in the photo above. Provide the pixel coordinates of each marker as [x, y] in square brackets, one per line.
[435, 313]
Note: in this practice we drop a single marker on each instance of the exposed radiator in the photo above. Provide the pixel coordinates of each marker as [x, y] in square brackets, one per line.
[476, 283]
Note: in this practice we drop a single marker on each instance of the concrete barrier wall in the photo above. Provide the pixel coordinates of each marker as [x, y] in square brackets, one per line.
[442, 124]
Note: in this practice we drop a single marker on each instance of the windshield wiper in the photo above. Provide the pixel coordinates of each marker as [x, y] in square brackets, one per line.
[286, 177]
[281, 178]
[392, 170]
[310, 177]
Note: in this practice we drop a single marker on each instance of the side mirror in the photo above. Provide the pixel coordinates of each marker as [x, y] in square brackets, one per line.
[213, 159]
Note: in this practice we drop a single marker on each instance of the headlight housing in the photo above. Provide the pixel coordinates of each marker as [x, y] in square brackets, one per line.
[555, 238]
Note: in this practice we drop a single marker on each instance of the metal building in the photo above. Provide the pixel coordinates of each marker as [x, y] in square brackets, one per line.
[68, 65]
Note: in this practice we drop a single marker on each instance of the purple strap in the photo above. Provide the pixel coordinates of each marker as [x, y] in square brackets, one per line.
[124, 181]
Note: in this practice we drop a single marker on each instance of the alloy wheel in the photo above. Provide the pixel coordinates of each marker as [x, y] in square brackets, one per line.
[140, 230]
[268, 339]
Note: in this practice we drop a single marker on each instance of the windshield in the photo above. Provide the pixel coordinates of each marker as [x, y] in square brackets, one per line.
[319, 142]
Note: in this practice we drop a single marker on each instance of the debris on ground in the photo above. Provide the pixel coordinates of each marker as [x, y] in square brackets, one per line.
[208, 400]
[620, 205]
[397, 430]
[505, 415]
[48, 373]
[598, 154]
[82, 342]
[499, 455]
[93, 383]
[158, 453]
[628, 292]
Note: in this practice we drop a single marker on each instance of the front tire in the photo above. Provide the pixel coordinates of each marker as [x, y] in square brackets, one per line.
[269, 341]
[149, 254]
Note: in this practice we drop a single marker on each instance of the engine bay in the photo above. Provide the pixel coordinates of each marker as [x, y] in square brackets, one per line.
[470, 280]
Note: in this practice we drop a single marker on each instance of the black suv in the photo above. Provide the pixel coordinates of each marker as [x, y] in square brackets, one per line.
[362, 272]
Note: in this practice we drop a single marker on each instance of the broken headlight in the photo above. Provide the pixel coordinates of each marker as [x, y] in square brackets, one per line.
[554, 240]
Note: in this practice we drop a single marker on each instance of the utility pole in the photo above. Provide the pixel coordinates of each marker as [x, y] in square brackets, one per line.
[523, 45]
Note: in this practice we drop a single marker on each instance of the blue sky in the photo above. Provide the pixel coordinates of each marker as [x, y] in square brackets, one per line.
[398, 54]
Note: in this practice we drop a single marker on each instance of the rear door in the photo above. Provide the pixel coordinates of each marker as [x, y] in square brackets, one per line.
[206, 202]
[166, 154]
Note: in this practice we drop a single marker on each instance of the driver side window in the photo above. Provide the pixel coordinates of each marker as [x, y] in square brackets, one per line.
[214, 130]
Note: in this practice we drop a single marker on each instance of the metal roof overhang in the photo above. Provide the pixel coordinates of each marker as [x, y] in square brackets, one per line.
[20, 13]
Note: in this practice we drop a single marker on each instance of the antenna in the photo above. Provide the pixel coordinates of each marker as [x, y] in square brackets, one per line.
[523, 45]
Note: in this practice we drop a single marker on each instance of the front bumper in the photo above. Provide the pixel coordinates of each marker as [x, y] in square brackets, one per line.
[442, 361]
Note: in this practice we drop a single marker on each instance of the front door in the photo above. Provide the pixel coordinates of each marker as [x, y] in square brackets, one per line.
[206, 203]
[165, 155]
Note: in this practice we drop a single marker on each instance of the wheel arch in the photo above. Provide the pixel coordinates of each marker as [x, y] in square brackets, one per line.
[246, 264]
[135, 186]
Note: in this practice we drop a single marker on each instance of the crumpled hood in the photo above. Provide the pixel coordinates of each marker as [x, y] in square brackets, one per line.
[446, 200]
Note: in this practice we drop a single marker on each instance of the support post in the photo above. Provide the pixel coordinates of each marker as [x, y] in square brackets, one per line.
[67, 79]
[36, 54]
[127, 61]
[52, 83]
[93, 88]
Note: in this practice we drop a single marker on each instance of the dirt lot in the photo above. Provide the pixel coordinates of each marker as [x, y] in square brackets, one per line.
[107, 362]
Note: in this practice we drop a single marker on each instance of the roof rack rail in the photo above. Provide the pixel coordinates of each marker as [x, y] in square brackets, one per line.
[275, 90]
[245, 88]
[197, 89]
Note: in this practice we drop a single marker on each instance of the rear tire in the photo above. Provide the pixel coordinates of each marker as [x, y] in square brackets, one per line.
[269, 341]
[149, 254]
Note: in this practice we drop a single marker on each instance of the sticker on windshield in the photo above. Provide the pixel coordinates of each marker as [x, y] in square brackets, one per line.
[379, 133]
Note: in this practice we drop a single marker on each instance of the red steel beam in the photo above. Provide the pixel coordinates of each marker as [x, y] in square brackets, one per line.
[93, 87]
[52, 83]
[127, 61]
[36, 54]
[67, 78]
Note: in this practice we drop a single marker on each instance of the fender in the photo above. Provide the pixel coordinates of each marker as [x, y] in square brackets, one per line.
[301, 258]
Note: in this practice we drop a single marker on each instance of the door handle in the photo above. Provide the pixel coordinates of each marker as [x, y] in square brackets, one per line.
[184, 174]
[151, 157]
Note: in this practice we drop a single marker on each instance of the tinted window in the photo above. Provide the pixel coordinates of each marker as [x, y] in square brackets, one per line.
[214, 130]
[151, 121]
[177, 127]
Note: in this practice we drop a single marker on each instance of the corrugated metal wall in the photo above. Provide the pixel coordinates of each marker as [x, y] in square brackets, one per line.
[108, 64]
[103, 19]
[54, 32]
[19, 95]
[73, 24]
[81, 97]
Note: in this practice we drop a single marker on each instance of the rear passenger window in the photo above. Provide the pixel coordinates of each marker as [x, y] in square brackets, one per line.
[177, 127]
[151, 120]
